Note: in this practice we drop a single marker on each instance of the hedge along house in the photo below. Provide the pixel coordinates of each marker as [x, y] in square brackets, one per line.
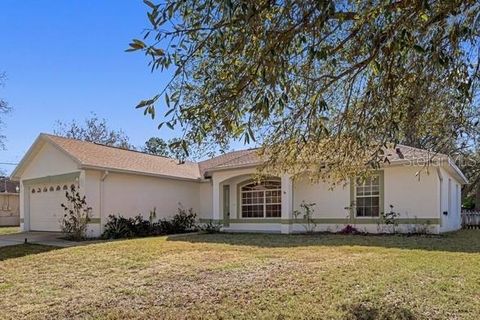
[222, 189]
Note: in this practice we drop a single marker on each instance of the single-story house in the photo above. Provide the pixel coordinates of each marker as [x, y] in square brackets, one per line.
[9, 202]
[221, 189]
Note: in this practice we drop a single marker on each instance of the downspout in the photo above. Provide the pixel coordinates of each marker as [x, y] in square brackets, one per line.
[440, 179]
[102, 180]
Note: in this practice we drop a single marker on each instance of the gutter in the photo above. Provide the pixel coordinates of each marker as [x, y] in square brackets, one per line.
[102, 186]
[250, 165]
[140, 173]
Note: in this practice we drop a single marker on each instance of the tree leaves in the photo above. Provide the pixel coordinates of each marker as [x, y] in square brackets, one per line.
[316, 82]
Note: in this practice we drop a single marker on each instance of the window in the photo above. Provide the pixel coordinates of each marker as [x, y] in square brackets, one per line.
[367, 197]
[262, 200]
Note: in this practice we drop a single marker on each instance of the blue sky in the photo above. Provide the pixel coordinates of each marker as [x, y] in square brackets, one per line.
[65, 59]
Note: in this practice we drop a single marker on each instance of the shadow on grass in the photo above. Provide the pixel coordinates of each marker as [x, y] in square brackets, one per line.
[467, 241]
[21, 250]
[378, 311]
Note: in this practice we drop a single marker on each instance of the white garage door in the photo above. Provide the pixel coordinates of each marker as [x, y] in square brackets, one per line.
[45, 206]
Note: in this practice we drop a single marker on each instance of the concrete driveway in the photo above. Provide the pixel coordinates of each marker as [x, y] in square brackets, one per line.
[45, 238]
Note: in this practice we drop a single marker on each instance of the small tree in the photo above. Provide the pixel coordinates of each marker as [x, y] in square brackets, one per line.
[77, 215]
[389, 219]
[306, 214]
[4, 109]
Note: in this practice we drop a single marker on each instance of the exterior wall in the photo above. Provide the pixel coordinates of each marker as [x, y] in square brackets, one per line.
[9, 209]
[49, 162]
[205, 200]
[330, 202]
[412, 196]
[129, 195]
[415, 198]
[92, 192]
[450, 199]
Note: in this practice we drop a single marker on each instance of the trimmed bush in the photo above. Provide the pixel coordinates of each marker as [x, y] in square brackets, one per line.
[119, 227]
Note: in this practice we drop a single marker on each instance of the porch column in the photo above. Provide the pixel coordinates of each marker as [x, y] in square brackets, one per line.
[24, 207]
[287, 203]
[216, 200]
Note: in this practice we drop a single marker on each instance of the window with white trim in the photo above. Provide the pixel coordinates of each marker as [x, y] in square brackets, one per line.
[261, 200]
[367, 196]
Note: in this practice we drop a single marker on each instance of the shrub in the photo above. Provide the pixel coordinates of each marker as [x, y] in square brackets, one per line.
[388, 219]
[120, 227]
[349, 229]
[419, 228]
[211, 227]
[306, 214]
[184, 220]
[75, 221]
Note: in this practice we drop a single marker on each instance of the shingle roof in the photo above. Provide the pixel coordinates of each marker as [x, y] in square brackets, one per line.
[402, 152]
[99, 156]
[250, 157]
[92, 155]
[230, 159]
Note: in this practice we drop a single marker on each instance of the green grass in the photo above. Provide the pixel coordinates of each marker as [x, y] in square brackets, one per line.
[9, 230]
[249, 276]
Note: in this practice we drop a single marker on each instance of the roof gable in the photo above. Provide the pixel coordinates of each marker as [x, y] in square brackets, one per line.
[89, 155]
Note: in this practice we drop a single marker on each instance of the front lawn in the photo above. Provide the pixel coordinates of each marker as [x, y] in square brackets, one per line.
[249, 276]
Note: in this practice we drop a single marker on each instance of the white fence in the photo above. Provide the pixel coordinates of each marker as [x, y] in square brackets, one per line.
[471, 219]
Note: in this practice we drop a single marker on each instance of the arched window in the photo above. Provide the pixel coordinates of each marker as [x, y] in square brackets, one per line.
[65, 187]
[58, 188]
[33, 190]
[51, 189]
[261, 200]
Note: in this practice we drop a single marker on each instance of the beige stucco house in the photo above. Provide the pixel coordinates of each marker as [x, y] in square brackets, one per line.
[221, 189]
[9, 203]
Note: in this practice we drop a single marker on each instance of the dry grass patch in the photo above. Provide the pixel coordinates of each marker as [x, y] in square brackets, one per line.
[246, 276]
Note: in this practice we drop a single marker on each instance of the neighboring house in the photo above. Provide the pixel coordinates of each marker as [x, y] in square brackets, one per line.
[222, 189]
[9, 202]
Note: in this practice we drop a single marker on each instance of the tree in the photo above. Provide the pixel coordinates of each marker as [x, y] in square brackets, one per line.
[4, 109]
[157, 146]
[171, 149]
[315, 82]
[74, 223]
[95, 130]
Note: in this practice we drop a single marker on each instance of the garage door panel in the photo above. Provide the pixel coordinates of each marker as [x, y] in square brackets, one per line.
[45, 206]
